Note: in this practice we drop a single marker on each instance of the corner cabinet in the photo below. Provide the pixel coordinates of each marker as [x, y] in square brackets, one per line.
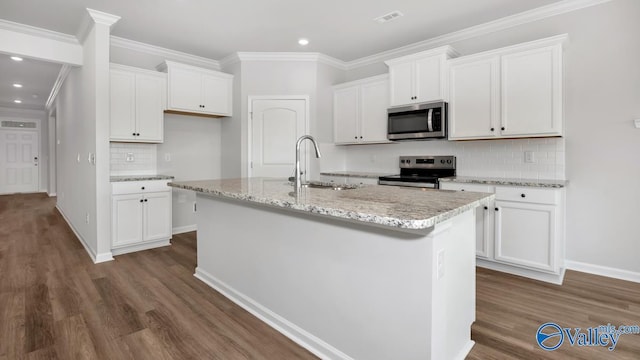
[420, 77]
[140, 215]
[198, 91]
[360, 111]
[508, 93]
[137, 102]
[522, 232]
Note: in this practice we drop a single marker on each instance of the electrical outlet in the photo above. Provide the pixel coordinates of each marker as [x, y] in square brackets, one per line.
[636, 123]
[529, 157]
[86, 218]
[130, 157]
[440, 264]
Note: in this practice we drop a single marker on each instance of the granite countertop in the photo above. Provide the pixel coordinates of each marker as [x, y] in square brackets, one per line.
[358, 174]
[393, 206]
[140, 178]
[507, 181]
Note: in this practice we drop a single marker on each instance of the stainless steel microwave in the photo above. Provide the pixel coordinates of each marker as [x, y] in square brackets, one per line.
[421, 121]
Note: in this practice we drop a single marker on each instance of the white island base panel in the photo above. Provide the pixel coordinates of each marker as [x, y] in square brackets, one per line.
[343, 290]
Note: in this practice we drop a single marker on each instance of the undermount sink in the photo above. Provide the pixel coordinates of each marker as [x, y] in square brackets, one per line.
[328, 185]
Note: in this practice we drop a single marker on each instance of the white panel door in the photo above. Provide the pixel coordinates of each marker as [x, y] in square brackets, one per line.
[374, 101]
[157, 216]
[122, 105]
[427, 78]
[18, 161]
[185, 89]
[276, 125]
[126, 219]
[149, 107]
[216, 92]
[346, 115]
[532, 92]
[402, 83]
[474, 107]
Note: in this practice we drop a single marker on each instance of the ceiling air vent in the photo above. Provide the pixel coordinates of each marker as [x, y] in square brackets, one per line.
[18, 124]
[388, 17]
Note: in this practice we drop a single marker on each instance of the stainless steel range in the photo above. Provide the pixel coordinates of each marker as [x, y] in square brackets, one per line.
[421, 171]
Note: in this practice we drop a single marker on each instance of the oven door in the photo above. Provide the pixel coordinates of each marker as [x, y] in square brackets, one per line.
[419, 121]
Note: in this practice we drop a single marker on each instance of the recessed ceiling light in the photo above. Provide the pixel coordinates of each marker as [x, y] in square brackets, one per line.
[17, 85]
[17, 101]
[303, 42]
[16, 58]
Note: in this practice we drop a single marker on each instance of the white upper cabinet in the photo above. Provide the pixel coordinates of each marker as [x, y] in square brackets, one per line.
[197, 90]
[508, 93]
[360, 111]
[420, 77]
[137, 102]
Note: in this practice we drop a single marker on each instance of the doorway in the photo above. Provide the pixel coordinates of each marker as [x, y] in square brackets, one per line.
[275, 123]
[19, 160]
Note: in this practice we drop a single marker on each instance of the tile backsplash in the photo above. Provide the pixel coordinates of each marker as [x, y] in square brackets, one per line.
[486, 158]
[133, 159]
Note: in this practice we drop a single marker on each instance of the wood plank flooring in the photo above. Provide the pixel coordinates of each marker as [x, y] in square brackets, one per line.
[56, 304]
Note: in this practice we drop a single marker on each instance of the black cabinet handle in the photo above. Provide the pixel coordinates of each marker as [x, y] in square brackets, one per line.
[486, 208]
[461, 189]
[140, 200]
[497, 209]
[143, 188]
[360, 137]
[145, 200]
[138, 134]
[502, 128]
[523, 195]
[134, 134]
[492, 129]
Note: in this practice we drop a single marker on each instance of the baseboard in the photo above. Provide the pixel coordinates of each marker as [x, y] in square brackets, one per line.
[184, 229]
[514, 270]
[603, 271]
[141, 247]
[52, 194]
[465, 350]
[301, 337]
[96, 258]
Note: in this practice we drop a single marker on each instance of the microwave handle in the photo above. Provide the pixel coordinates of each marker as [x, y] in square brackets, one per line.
[430, 120]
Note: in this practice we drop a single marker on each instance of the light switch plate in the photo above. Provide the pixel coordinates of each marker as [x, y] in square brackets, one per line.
[130, 157]
[636, 122]
[529, 157]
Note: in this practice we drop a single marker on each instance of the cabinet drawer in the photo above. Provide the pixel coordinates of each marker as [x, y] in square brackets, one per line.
[466, 187]
[134, 187]
[529, 195]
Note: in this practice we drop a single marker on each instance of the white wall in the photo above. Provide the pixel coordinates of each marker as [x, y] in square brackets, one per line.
[194, 146]
[602, 80]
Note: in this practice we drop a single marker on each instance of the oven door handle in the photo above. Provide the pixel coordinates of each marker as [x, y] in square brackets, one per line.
[430, 120]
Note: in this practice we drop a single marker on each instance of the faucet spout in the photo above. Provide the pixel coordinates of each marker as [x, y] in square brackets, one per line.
[297, 183]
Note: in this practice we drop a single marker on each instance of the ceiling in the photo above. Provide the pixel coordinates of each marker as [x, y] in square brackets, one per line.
[214, 29]
[343, 29]
[36, 77]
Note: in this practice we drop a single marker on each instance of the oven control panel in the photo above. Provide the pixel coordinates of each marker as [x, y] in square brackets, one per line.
[427, 162]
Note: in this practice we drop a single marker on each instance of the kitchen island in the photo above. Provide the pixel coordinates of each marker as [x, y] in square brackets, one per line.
[375, 272]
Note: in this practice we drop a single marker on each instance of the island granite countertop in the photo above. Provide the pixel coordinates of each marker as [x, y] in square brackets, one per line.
[506, 181]
[357, 174]
[140, 178]
[393, 206]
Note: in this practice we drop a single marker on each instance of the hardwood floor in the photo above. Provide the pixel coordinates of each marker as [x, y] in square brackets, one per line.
[56, 304]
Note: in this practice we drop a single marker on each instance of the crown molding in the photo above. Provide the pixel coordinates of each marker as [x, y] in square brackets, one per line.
[283, 56]
[525, 17]
[165, 53]
[94, 17]
[39, 32]
[62, 76]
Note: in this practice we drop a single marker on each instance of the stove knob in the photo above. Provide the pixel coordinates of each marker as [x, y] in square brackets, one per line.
[401, 161]
[448, 161]
[442, 161]
[408, 161]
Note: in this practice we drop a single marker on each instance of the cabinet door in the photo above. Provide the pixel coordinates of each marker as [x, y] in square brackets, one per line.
[216, 95]
[185, 89]
[525, 235]
[126, 219]
[474, 107]
[402, 83]
[428, 82]
[122, 105]
[531, 85]
[157, 216]
[150, 107]
[346, 115]
[374, 101]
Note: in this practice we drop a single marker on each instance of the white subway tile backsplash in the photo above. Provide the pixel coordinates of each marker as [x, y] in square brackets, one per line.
[144, 159]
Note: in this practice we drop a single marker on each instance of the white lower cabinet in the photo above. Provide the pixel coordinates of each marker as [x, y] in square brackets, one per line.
[521, 232]
[140, 216]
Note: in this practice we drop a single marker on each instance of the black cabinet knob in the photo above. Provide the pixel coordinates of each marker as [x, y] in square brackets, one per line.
[486, 208]
[134, 134]
[140, 200]
[502, 128]
[523, 195]
[143, 188]
[461, 189]
[492, 129]
[497, 209]
[360, 137]
[145, 200]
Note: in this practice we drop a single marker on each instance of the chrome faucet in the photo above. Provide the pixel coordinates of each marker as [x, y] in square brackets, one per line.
[296, 180]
